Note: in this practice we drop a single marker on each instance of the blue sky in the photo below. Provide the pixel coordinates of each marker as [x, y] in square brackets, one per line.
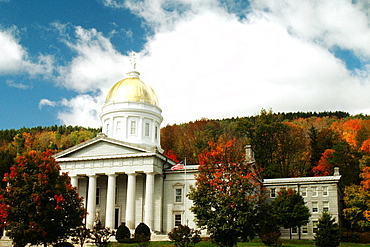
[211, 58]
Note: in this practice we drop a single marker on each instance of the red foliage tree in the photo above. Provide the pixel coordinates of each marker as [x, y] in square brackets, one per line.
[227, 194]
[41, 205]
[170, 154]
[324, 167]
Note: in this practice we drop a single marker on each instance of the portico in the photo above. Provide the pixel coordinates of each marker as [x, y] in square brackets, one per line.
[111, 195]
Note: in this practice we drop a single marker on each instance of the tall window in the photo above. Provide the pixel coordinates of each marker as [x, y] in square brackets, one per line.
[315, 208]
[325, 191]
[314, 191]
[107, 132]
[133, 128]
[314, 228]
[147, 129]
[325, 206]
[273, 193]
[118, 129]
[97, 196]
[177, 219]
[156, 133]
[178, 195]
[304, 229]
[304, 191]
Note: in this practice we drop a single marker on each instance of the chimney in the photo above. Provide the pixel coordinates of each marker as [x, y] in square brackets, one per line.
[336, 171]
[249, 154]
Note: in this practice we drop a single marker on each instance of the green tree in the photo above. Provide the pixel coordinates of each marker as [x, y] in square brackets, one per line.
[268, 228]
[290, 209]
[357, 211]
[328, 233]
[226, 195]
[42, 205]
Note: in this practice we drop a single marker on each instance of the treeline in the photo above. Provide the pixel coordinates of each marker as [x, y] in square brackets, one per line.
[57, 138]
[285, 144]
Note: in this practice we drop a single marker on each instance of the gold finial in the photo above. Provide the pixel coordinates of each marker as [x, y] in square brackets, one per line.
[133, 60]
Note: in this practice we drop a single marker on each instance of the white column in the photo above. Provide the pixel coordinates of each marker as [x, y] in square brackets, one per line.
[91, 201]
[149, 200]
[74, 181]
[130, 204]
[160, 206]
[111, 190]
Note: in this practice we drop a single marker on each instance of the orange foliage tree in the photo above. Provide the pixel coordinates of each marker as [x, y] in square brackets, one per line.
[227, 194]
[324, 167]
[42, 206]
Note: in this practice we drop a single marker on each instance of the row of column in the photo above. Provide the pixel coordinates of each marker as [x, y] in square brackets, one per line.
[110, 203]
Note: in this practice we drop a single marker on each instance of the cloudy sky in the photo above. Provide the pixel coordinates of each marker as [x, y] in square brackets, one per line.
[210, 58]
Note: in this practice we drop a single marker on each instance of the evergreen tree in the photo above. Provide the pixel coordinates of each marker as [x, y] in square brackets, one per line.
[328, 233]
[290, 209]
[42, 205]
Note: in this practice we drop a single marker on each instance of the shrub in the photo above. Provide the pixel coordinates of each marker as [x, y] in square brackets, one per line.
[142, 234]
[328, 233]
[183, 236]
[80, 235]
[101, 236]
[123, 233]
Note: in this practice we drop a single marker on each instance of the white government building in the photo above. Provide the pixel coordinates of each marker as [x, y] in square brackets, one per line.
[123, 175]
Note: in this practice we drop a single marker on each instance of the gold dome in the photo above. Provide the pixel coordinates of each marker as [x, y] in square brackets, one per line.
[131, 89]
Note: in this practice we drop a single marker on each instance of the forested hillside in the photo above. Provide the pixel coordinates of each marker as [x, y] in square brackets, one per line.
[285, 144]
[57, 138]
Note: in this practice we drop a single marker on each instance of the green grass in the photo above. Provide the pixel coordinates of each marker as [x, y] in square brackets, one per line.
[255, 243]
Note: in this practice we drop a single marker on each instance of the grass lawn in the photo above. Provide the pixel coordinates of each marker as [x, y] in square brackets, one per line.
[255, 243]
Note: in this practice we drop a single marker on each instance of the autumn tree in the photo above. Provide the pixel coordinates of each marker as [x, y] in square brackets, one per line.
[290, 209]
[324, 166]
[42, 205]
[226, 194]
[357, 212]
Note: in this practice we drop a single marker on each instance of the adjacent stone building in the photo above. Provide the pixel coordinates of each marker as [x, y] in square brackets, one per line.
[321, 194]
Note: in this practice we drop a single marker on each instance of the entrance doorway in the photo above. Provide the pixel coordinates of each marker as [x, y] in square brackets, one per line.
[116, 218]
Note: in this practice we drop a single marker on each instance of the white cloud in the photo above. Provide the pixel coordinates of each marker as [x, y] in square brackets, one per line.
[203, 61]
[14, 58]
[12, 54]
[96, 65]
[82, 110]
[216, 66]
[47, 102]
[11, 83]
[331, 23]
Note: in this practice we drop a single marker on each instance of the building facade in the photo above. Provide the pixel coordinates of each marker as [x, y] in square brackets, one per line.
[123, 175]
[321, 194]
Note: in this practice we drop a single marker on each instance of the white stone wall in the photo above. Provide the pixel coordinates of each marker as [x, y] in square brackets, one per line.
[177, 179]
[312, 193]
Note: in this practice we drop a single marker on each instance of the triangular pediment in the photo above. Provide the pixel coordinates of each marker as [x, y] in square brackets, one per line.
[100, 146]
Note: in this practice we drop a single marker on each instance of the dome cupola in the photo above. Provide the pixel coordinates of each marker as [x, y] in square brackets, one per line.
[131, 112]
[131, 89]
